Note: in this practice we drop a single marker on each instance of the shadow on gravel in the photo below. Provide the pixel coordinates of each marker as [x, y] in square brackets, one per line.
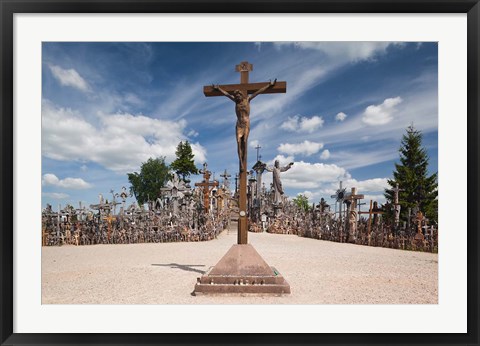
[186, 267]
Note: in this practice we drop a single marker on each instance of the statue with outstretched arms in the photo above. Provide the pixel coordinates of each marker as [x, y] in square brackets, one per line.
[277, 184]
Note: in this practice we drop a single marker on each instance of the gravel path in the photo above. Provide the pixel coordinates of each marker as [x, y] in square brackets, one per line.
[319, 272]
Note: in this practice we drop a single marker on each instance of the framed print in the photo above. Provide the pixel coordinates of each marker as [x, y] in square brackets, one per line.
[176, 172]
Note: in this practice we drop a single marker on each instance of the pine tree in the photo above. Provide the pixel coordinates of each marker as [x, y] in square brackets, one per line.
[184, 165]
[411, 174]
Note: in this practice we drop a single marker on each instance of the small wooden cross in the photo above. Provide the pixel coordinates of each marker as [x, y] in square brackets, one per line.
[420, 218]
[207, 187]
[370, 212]
[225, 177]
[353, 198]
[258, 147]
[109, 220]
[419, 236]
[395, 191]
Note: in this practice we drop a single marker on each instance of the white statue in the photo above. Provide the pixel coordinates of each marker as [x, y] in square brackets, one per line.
[277, 184]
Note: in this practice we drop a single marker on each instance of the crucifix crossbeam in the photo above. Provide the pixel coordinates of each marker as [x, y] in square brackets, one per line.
[250, 88]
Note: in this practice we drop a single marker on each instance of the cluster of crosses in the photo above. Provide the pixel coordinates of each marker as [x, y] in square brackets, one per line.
[178, 206]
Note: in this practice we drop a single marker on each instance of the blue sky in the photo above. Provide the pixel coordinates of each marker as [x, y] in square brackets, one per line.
[108, 107]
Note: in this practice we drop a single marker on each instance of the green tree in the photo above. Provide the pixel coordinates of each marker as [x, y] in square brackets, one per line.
[301, 201]
[183, 164]
[146, 185]
[411, 174]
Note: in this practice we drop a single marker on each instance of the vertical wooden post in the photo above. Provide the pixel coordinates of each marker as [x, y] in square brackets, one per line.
[242, 231]
[242, 237]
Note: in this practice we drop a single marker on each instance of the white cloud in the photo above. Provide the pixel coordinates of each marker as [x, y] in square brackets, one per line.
[307, 194]
[340, 116]
[303, 124]
[200, 153]
[283, 160]
[371, 186]
[254, 143]
[325, 155]
[313, 196]
[50, 179]
[381, 114]
[55, 195]
[291, 124]
[70, 78]
[306, 148]
[120, 142]
[304, 175]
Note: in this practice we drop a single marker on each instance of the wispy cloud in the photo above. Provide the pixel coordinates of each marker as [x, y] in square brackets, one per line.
[69, 77]
[55, 195]
[357, 158]
[344, 51]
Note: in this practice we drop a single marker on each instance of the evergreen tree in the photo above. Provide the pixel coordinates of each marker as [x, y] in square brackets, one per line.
[411, 174]
[184, 165]
[146, 185]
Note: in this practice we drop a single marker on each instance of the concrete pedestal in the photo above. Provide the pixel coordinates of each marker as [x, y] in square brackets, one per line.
[242, 270]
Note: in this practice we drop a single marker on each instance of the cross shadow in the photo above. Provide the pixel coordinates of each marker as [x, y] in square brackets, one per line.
[186, 267]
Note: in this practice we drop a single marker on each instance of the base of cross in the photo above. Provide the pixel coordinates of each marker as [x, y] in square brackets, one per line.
[242, 270]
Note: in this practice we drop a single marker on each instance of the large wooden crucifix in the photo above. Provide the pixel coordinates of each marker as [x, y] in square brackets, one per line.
[242, 94]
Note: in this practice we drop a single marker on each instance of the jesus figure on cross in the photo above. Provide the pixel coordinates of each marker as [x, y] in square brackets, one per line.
[242, 109]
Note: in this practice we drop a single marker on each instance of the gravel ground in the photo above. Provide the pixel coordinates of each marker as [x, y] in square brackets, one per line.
[319, 272]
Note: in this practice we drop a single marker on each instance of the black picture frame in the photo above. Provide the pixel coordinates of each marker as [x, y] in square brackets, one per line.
[9, 7]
